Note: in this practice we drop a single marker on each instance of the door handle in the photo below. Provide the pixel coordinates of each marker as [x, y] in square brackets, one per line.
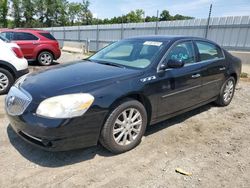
[35, 43]
[196, 75]
[222, 68]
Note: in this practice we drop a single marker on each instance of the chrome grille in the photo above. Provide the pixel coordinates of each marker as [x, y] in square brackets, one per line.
[17, 101]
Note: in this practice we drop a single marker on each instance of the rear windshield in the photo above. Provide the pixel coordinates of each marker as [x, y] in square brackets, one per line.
[48, 36]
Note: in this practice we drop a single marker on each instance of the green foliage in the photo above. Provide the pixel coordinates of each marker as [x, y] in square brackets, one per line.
[49, 13]
[244, 75]
[16, 13]
[3, 13]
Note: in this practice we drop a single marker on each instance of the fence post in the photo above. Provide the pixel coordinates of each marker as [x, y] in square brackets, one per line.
[122, 31]
[79, 34]
[52, 31]
[97, 37]
[156, 24]
[64, 34]
[208, 21]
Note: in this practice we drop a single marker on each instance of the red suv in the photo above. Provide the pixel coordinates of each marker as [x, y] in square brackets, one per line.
[35, 44]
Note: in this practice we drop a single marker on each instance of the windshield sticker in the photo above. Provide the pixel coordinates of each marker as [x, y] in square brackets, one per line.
[152, 43]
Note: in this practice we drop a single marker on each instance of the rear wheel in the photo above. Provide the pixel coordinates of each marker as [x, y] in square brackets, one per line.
[45, 58]
[6, 81]
[124, 127]
[227, 92]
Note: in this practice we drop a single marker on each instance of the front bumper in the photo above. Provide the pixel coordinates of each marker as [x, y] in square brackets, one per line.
[58, 135]
[51, 134]
[21, 73]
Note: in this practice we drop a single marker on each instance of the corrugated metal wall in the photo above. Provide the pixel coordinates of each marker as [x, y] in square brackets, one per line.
[230, 32]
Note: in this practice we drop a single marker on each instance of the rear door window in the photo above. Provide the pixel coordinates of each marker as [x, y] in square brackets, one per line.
[23, 36]
[208, 51]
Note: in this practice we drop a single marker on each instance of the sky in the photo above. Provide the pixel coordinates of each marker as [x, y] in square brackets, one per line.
[196, 8]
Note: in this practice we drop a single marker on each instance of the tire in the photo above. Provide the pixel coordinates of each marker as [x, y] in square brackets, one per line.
[226, 93]
[6, 81]
[114, 142]
[45, 58]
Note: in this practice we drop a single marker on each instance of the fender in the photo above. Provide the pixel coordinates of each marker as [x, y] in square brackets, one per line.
[9, 67]
[43, 47]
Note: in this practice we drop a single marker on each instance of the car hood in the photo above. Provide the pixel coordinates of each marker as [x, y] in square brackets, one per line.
[82, 76]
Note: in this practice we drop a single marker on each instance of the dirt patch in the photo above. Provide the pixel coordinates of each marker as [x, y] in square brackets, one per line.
[211, 142]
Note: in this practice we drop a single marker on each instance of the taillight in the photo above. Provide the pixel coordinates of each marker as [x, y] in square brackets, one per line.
[17, 52]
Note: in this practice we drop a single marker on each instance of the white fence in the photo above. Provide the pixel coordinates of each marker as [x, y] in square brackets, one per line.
[230, 32]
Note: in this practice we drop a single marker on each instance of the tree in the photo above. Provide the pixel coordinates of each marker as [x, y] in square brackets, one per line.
[85, 14]
[135, 16]
[28, 12]
[74, 12]
[62, 12]
[49, 13]
[4, 12]
[40, 9]
[16, 12]
[151, 19]
[181, 17]
[165, 16]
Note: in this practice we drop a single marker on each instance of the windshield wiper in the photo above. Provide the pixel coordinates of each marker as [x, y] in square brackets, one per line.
[110, 64]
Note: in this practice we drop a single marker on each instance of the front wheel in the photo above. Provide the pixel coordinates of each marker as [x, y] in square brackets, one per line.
[227, 92]
[124, 127]
[45, 58]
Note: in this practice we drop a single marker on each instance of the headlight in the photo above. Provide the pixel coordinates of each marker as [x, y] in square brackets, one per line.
[65, 106]
[20, 80]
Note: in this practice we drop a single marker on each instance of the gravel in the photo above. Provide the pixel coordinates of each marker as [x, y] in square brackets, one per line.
[210, 142]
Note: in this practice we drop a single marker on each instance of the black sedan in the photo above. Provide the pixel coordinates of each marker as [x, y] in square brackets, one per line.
[114, 95]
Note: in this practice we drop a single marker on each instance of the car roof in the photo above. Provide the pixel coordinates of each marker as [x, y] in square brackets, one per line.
[25, 30]
[167, 38]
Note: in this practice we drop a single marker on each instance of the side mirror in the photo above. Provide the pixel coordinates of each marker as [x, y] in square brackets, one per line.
[175, 63]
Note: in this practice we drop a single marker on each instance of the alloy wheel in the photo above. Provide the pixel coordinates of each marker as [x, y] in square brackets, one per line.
[46, 59]
[4, 81]
[228, 91]
[127, 126]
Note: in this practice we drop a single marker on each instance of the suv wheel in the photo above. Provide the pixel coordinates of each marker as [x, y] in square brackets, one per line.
[6, 81]
[45, 58]
[124, 127]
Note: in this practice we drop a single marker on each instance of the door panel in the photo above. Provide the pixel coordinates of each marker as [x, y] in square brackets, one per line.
[213, 69]
[27, 43]
[179, 89]
[213, 76]
[27, 48]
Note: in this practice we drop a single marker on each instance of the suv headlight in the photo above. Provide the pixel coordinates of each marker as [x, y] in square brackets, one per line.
[65, 106]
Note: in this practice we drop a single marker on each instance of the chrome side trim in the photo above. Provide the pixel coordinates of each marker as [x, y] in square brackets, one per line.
[194, 87]
[211, 82]
[184, 90]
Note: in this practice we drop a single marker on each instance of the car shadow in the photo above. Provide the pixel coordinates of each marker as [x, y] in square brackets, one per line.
[59, 159]
[36, 64]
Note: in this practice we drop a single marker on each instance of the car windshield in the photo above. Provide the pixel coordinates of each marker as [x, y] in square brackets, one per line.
[3, 38]
[129, 53]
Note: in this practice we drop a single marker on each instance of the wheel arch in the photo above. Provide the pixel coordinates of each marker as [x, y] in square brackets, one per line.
[136, 96]
[8, 67]
[235, 76]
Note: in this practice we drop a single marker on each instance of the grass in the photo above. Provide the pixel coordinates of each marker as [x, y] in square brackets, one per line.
[244, 75]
